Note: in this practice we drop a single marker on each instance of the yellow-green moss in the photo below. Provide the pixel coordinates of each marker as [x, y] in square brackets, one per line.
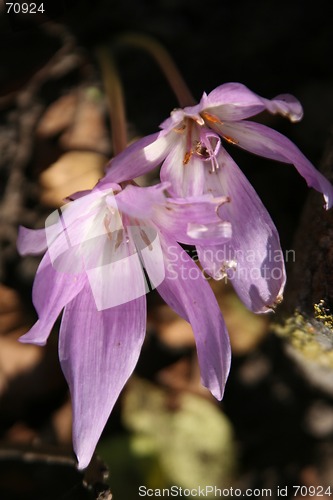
[311, 337]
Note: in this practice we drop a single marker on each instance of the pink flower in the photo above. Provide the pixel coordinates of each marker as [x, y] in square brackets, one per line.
[190, 149]
[95, 253]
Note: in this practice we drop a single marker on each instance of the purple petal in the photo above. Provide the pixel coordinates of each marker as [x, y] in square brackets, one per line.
[174, 120]
[253, 258]
[178, 115]
[234, 102]
[141, 202]
[98, 352]
[186, 177]
[52, 290]
[231, 102]
[123, 274]
[285, 105]
[31, 241]
[138, 158]
[194, 219]
[188, 293]
[264, 141]
[209, 232]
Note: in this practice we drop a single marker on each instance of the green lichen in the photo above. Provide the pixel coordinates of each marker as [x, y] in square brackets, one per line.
[310, 337]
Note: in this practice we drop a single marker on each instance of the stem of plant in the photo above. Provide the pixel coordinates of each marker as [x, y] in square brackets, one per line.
[166, 63]
[114, 92]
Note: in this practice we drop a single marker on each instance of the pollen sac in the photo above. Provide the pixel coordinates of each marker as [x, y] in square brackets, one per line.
[201, 150]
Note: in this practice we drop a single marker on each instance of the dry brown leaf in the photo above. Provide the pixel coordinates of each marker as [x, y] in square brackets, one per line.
[173, 330]
[62, 423]
[88, 130]
[15, 358]
[13, 319]
[74, 171]
[58, 116]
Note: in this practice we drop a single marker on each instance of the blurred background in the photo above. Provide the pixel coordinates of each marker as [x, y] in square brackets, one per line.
[274, 427]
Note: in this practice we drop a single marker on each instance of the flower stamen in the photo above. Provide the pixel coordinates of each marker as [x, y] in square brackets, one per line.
[230, 140]
[189, 150]
[211, 118]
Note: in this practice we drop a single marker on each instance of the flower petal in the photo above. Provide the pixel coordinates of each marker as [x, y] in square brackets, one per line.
[231, 102]
[188, 293]
[194, 219]
[209, 232]
[264, 141]
[234, 101]
[140, 202]
[186, 178]
[137, 159]
[31, 241]
[253, 258]
[98, 352]
[177, 116]
[286, 105]
[52, 290]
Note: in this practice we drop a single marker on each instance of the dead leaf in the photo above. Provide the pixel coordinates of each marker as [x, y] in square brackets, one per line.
[74, 171]
[58, 116]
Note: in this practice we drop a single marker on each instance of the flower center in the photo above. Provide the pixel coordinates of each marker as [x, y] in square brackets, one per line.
[201, 142]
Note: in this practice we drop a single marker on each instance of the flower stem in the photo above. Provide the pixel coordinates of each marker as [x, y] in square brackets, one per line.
[166, 63]
[114, 91]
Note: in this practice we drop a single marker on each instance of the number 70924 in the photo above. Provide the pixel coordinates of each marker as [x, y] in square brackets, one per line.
[24, 8]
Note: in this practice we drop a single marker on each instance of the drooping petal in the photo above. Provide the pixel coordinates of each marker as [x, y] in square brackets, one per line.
[98, 352]
[231, 102]
[52, 290]
[31, 241]
[234, 102]
[137, 159]
[189, 294]
[286, 105]
[252, 259]
[183, 169]
[264, 141]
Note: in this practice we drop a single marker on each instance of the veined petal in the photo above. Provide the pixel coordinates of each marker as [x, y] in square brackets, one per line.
[140, 202]
[189, 294]
[194, 220]
[98, 190]
[98, 352]
[52, 290]
[252, 259]
[234, 102]
[31, 241]
[264, 141]
[231, 102]
[183, 169]
[74, 229]
[138, 158]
